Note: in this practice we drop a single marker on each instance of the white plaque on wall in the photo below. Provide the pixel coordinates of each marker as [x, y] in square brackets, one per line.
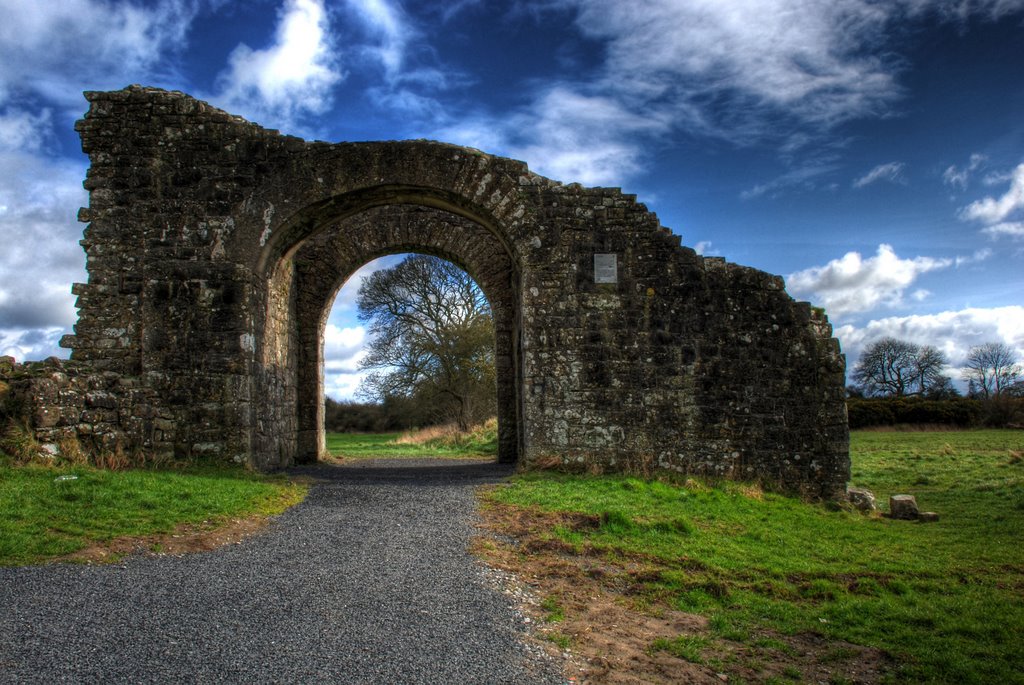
[606, 269]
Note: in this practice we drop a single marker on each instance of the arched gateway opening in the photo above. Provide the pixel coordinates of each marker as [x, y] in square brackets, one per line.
[317, 267]
[215, 246]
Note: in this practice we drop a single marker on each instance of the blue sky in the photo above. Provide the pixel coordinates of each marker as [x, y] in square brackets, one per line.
[870, 151]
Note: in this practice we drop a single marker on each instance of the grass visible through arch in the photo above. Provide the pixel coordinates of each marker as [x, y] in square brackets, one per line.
[434, 441]
[944, 601]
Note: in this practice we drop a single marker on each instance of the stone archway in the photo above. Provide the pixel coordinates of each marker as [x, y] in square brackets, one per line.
[214, 244]
[324, 262]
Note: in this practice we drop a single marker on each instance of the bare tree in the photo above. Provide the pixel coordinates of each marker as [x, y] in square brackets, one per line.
[432, 338]
[993, 370]
[896, 368]
[928, 365]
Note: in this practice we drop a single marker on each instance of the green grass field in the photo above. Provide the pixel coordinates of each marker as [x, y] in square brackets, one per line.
[945, 600]
[48, 512]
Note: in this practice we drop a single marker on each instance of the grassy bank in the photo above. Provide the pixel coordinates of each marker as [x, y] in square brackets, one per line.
[48, 513]
[942, 602]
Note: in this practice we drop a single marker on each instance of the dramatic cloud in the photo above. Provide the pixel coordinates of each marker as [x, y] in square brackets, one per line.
[32, 345]
[891, 172]
[994, 210]
[57, 49]
[720, 66]
[853, 284]
[294, 76]
[567, 135]
[583, 138]
[959, 178]
[41, 254]
[953, 332]
[745, 72]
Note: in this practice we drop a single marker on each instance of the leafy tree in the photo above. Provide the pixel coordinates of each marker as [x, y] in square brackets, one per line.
[993, 370]
[432, 339]
[892, 367]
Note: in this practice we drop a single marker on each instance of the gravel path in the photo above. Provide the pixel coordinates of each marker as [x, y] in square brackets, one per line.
[367, 581]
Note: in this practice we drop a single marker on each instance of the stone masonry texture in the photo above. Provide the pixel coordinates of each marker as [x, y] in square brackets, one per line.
[215, 248]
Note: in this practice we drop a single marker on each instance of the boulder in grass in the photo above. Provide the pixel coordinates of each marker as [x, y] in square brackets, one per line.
[927, 517]
[903, 507]
[861, 499]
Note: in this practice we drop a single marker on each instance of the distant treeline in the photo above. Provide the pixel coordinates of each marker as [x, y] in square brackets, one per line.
[398, 414]
[962, 412]
[394, 414]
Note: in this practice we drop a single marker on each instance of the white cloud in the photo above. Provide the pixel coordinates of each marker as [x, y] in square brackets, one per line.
[994, 210]
[386, 22]
[960, 10]
[587, 139]
[721, 66]
[959, 178]
[1013, 229]
[953, 332]
[58, 49]
[32, 345]
[345, 385]
[40, 233]
[704, 247]
[745, 71]
[22, 131]
[343, 350]
[344, 307]
[342, 346]
[293, 76]
[891, 172]
[806, 177]
[854, 284]
[978, 256]
[994, 178]
[567, 135]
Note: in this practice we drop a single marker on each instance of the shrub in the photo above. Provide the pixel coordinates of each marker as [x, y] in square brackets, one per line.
[960, 412]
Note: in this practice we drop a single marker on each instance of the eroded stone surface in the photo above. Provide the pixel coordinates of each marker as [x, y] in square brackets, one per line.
[862, 499]
[903, 507]
[215, 248]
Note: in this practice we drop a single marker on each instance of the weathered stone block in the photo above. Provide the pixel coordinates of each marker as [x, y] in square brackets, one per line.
[903, 507]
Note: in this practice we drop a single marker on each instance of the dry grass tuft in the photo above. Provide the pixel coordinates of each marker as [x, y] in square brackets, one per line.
[70, 450]
[428, 434]
[18, 440]
[752, 491]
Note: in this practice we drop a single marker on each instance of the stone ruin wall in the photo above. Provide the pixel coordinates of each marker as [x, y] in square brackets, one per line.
[214, 247]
